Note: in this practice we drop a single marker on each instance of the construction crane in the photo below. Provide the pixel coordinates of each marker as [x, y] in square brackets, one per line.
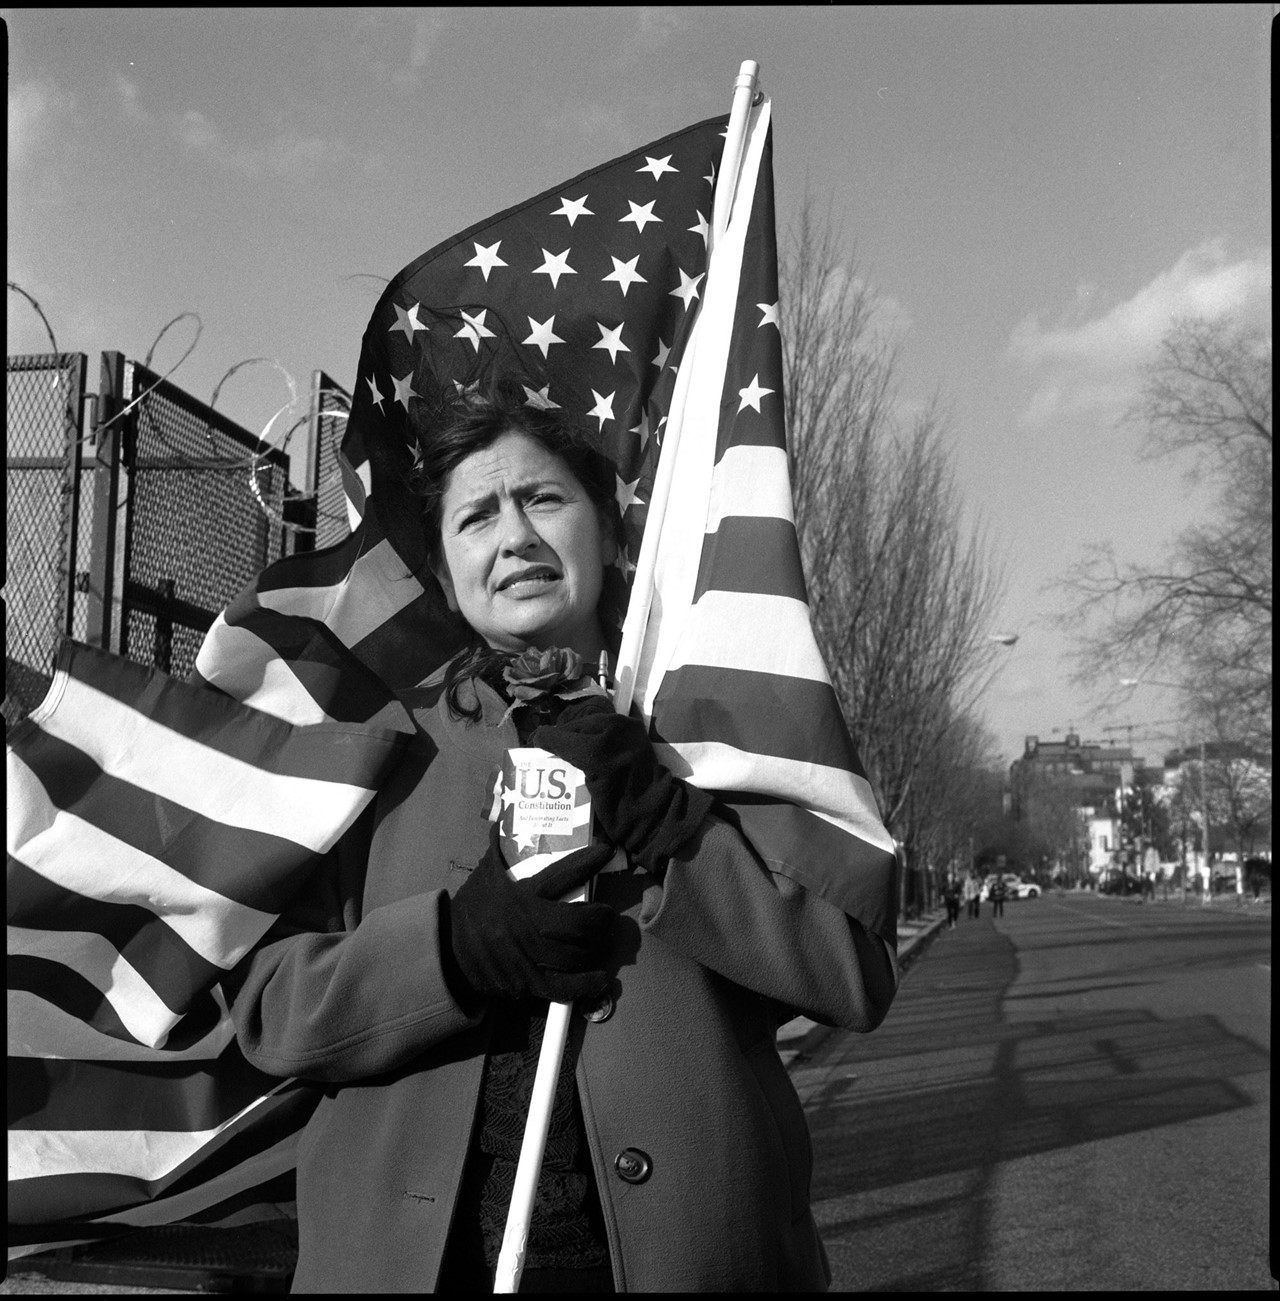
[1131, 728]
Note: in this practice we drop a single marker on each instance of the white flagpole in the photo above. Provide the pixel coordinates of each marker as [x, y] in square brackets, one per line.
[642, 588]
[515, 1238]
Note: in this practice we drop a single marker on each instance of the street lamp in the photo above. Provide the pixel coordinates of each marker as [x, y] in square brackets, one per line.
[1004, 638]
[1204, 788]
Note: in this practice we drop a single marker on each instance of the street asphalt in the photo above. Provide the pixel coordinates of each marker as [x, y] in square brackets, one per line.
[1074, 1096]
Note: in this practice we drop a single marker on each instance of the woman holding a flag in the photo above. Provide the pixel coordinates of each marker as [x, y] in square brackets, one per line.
[412, 983]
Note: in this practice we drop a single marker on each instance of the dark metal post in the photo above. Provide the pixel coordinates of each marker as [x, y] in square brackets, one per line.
[162, 652]
[108, 438]
[69, 505]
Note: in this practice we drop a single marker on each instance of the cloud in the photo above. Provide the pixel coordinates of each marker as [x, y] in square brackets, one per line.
[656, 25]
[36, 110]
[427, 30]
[1092, 363]
[286, 154]
[130, 100]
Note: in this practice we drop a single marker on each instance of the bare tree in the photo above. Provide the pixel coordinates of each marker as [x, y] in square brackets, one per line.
[902, 596]
[957, 788]
[1204, 614]
[1048, 823]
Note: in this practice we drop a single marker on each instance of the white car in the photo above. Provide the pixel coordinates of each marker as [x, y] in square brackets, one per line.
[1015, 888]
[1023, 889]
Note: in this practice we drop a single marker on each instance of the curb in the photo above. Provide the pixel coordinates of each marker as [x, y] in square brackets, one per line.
[798, 1047]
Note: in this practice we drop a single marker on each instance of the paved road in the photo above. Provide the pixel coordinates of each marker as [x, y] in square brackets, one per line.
[1074, 1096]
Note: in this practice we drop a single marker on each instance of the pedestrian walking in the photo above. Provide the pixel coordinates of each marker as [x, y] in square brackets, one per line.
[972, 893]
[951, 897]
[998, 893]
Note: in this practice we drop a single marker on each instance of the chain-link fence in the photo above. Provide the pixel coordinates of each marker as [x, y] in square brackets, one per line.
[44, 418]
[188, 507]
[205, 511]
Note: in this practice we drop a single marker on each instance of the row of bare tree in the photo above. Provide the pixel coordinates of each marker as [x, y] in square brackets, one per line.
[902, 593]
[1202, 614]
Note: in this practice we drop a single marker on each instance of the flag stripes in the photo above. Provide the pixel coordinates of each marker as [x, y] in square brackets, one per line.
[329, 649]
[156, 830]
[758, 555]
[843, 861]
[93, 1096]
[731, 676]
[39, 1028]
[113, 855]
[257, 776]
[750, 481]
[753, 711]
[91, 1174]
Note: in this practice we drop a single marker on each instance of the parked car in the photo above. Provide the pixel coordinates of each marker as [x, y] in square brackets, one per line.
[1015, 887]
[1121, 883]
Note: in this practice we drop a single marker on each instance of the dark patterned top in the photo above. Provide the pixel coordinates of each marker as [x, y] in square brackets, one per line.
[566, 1230]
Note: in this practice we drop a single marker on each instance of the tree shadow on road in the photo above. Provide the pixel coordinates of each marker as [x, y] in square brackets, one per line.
[910, 1124]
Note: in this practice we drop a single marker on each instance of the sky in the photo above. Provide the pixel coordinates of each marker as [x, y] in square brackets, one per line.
[1033, 192]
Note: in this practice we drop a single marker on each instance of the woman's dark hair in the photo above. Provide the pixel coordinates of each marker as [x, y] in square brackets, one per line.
[473, 419]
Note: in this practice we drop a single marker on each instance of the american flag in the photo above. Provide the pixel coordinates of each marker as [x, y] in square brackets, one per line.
[598, 293]
[155, 831]
[595, 292]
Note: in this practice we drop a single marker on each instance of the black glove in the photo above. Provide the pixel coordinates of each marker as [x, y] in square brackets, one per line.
[517, 939]
[641, 805]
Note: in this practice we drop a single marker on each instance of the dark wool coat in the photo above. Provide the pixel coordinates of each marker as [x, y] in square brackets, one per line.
[680, 1065]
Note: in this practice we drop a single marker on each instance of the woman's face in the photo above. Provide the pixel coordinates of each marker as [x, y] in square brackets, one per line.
[524, 548]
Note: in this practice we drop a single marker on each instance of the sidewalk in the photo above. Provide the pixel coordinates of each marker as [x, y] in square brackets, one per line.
[799, 1038]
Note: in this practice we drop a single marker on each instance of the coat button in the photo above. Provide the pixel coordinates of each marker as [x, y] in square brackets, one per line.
[601, 1010]
[633, 1165]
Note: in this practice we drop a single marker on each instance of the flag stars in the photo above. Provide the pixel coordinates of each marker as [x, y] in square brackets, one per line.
[603, 409]
[541, 334]
[702, 228]
[378, 398]
[611, 340]
[752, 394]
[486, 259]
[770, 317]
[687, 290]
[625, 273]
[623, 563]
[572, 209]
[657, 166]
[555, 265]
[642, 430]
[663, 352]
[640, 214]
[626, 495]
[407, 321]
[475, 329]
[540, 398]
[405, 390]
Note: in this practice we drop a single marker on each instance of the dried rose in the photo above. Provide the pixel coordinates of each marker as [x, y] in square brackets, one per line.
[535, 673]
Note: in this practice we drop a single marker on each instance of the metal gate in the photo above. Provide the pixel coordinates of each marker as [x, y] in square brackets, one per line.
[44, 405]
[132, 537]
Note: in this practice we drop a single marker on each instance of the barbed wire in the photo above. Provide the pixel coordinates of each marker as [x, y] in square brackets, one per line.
[60, 377]
[253, 461]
